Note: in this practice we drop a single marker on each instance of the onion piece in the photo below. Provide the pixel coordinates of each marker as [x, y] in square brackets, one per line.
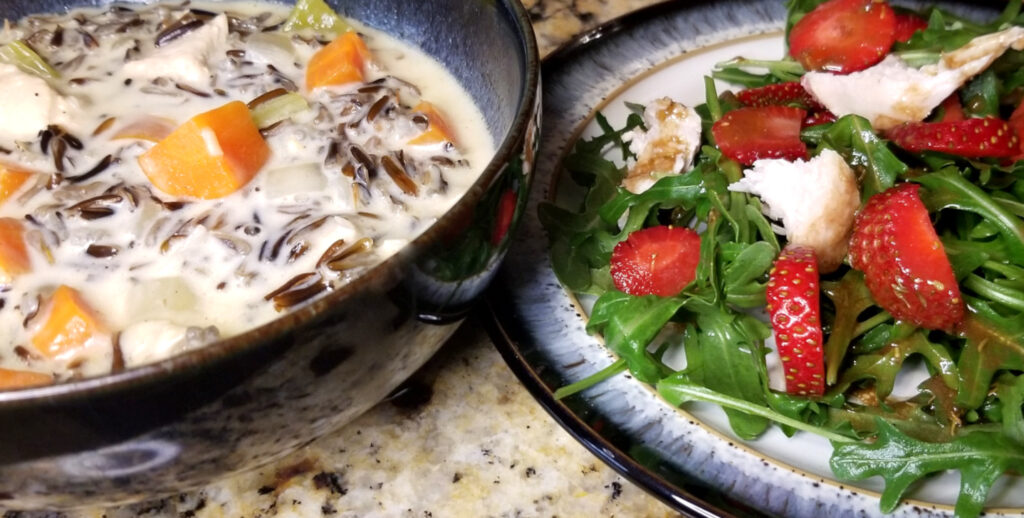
[167, 298]
[297, 179]
[146, 127]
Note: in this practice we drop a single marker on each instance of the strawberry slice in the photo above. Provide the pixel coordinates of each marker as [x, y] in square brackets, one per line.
[749, 134]
[656, 261]
[843, 36]
[1017, 123]
[951, 110]
[779, 94]
[819, 117]
[793, 302]
[907, 24]
[974, 138]
[905, 266]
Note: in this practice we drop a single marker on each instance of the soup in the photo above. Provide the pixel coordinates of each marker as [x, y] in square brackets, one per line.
[175, 174]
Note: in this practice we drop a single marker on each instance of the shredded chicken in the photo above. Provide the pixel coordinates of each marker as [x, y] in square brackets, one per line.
[667, 147]
[815, 200]
[892, 92]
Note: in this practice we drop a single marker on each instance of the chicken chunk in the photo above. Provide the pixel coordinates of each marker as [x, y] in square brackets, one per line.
[28, 104]
[815, 200]
[892, 92]
[184, 60]
[667, 147]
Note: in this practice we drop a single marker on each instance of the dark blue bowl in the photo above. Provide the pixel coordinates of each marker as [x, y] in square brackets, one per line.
[244, 401]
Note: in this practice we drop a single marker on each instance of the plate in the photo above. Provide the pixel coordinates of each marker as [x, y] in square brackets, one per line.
[687, 458]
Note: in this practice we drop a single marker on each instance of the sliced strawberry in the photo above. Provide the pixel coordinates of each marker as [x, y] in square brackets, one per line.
[779, 94]
[904, 263]
[907, 24]
[843, 36]
[656, 261]
[1017, 123]
[819, 117]
[793, 302]
[951, 109]
[748, 134]
[975, 138]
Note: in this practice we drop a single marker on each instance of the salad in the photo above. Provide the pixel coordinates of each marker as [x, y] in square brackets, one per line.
[838, 221]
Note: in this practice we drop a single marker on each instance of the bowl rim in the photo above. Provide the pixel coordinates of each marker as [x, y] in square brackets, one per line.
[261, 336]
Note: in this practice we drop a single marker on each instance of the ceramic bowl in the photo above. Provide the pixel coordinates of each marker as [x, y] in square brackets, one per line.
[245, 401]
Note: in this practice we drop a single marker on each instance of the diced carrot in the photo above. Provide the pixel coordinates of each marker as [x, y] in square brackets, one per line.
[70, 324]
[340, 62]
[14, 259]
[211, 156]
[13, 379]
[437, 128]
[11, 179]
[151, 128]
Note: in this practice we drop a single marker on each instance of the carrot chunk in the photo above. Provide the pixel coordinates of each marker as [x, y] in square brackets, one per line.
[340, 62]
[13, 379]
[437, 128]
[14, 259]
[211, 156]
[11, 179]
[70, 324]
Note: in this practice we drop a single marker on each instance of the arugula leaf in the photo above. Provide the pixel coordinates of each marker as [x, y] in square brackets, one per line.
[851, 297]
[613, 136]
[945, 32]
[964, 256]
[1010, 392]
[571, 265]
[629, 324]
[981, 458]
[730, 359]
[580, 240]
[874, 339]
[737, 71]
[949, 189]
[981, 95]
[673, 190]
[745, 271]
[611, 370]
[678, 389]
[876, 165]
[996, 292]
[884, 365]
[992, 345]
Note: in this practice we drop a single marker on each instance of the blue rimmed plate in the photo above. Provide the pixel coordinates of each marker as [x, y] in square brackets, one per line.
[688, 458]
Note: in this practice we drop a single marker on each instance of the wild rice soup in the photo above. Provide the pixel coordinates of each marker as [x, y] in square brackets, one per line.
[147, 211]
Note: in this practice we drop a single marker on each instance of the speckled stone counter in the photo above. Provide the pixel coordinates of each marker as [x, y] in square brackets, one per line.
[465, 440]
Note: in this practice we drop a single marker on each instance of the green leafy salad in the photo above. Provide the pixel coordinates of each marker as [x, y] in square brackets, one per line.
[847, 215]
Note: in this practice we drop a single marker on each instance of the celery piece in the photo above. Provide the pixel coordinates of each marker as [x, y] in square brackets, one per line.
[278, 109]
[19, 54]
[315, 16]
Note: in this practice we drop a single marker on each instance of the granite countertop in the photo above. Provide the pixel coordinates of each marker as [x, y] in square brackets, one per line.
[465, 440]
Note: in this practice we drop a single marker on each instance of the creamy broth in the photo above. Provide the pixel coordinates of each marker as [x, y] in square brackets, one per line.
[166, 273]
